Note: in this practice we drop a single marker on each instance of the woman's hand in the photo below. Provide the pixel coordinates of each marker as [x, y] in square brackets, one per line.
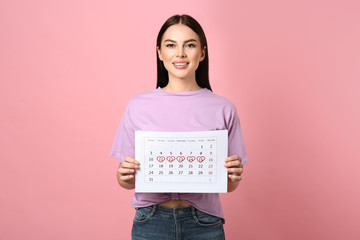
[126, 172]
[235, 170]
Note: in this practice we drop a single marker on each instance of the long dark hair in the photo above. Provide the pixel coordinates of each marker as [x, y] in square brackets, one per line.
[202, 72]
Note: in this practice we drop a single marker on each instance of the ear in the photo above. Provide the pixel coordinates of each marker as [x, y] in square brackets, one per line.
[203, 52]
[159, 53]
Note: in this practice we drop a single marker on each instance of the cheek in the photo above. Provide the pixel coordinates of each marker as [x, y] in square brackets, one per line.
[167, 63]
[166, 56]
[199, 56]
[166, 59]
[195, 56]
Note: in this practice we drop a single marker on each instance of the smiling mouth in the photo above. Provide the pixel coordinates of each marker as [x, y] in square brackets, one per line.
[180, 64]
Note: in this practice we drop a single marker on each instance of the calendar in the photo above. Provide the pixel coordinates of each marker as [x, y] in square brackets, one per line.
[186, 162]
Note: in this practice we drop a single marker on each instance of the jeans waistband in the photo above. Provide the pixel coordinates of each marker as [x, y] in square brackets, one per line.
[179, 211]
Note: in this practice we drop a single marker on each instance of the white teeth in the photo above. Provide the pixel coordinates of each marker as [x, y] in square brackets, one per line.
[180, 63]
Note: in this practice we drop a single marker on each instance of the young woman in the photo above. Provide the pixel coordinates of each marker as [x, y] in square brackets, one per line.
[182, 101]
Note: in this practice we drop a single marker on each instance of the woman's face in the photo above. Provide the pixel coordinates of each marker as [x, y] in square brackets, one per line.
[181, 52]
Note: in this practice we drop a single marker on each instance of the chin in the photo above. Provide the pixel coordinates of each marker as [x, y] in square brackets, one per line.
[182, 76]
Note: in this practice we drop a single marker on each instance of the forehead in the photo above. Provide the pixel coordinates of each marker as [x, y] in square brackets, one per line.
[180, 32]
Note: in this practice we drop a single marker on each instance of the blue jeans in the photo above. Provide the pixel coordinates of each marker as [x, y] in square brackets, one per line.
[162, 223]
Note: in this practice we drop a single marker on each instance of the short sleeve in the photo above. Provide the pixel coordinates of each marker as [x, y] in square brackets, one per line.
[236, 144]
[124, 142]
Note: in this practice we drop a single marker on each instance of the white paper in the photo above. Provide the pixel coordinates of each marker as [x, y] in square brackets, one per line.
[183, 162]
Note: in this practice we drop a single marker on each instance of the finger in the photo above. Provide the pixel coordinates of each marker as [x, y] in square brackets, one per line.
[131, 165]
[123, 171]
[126, 177]
[235, 178]
[233, 163]
[237, 171]
[232, 158]
[131, 160]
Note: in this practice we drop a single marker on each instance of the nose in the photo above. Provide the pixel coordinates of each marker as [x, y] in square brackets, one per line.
[181, 52]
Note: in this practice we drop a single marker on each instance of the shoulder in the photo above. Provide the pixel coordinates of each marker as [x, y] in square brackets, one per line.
[141, 98]
[221, 100]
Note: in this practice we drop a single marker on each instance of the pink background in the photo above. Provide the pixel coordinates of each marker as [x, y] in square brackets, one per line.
[68, 68]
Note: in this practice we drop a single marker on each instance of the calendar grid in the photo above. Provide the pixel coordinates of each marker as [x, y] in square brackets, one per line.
[181, 161]
[192, 160]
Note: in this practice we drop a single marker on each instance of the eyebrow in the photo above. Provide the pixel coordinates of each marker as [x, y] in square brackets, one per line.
[190, 40]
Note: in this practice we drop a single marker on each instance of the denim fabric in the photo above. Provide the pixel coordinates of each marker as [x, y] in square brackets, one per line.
[184, 223]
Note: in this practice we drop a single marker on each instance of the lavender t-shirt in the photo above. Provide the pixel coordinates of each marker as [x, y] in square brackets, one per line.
[198, 110]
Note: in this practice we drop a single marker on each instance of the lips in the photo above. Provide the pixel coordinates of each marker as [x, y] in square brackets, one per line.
[180, 65]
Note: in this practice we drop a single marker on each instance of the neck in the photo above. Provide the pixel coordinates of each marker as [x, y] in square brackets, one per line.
[180, 85]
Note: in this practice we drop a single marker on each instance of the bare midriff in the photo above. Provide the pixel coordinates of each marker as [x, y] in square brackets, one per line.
[174, 203]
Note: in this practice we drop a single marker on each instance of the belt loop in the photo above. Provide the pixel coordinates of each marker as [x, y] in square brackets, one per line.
[193, 210]
[153, 209]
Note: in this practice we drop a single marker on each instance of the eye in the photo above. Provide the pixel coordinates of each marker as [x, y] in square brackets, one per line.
[191, 45]
[170, 45]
